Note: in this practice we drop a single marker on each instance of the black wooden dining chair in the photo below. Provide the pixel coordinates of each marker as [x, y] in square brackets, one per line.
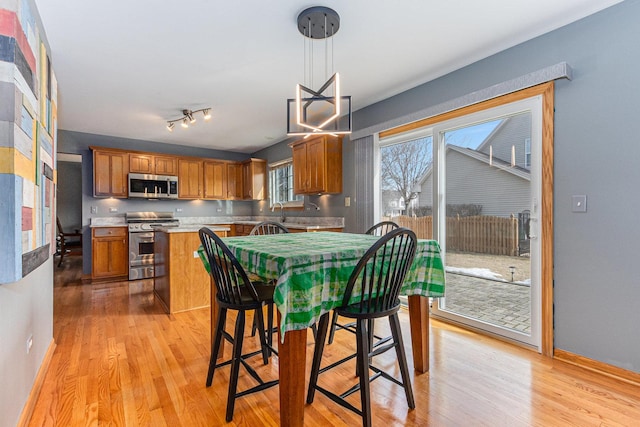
[379, 229]
[382, 228]
[375, 284]
[234, 291]
[267, 227]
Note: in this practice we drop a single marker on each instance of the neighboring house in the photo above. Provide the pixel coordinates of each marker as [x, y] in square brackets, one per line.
[473, 178]
[393, 204]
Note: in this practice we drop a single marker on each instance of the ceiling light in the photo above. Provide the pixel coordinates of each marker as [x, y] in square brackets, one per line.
[322, 111]
[188, 117]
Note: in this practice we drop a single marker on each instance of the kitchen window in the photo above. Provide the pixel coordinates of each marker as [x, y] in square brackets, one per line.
[281, 184]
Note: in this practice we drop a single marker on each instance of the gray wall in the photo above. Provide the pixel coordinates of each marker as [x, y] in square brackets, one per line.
[596, 292]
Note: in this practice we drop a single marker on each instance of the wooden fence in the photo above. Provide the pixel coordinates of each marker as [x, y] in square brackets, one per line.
[478, 234]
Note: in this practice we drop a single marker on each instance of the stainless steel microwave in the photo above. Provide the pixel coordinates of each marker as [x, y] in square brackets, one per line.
[153, 186]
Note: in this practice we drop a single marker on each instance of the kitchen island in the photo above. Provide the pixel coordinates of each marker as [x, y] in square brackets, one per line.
[181, 283]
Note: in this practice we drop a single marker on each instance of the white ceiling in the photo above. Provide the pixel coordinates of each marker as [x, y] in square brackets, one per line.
[126, 67]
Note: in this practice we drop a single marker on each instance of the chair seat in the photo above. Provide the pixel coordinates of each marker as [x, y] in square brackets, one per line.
[356, 312]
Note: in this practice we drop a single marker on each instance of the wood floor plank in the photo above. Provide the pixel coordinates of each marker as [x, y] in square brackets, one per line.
[120, 360]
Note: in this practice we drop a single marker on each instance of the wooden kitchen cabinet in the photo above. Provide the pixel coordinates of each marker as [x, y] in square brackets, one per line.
[109, 252]
[165, 165]
[234, 181]
[215, 179]
[153, 164]
[190, 178]
[254, 177]
[141, 163]
[317, 165]
[110, 169]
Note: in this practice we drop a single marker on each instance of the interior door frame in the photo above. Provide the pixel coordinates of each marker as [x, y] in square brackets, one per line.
[546, 91]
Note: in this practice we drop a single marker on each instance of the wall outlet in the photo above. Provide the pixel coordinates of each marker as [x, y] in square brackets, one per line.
[178, 209]
[347, 201]
[113, 210]
[219, 210]
[94, 209]
[29, 343]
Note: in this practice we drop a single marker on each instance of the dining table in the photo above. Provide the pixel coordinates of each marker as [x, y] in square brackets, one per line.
[311, 271]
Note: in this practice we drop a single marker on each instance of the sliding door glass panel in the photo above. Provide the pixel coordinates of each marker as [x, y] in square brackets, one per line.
[484, 219]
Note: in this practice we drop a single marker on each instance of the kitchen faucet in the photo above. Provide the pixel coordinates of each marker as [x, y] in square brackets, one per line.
[282, 217]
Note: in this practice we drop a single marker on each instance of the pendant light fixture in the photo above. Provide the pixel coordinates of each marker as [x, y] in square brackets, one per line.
[325, 110]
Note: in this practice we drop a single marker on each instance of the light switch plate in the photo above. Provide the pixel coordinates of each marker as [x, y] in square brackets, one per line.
[347, 201]
[579, 203]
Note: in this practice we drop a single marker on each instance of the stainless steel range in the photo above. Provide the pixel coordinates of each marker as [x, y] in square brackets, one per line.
[141, 225]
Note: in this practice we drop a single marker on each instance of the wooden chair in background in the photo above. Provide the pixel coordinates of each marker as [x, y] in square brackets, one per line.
[68, 242]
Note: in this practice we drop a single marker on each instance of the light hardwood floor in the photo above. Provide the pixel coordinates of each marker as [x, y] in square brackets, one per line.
[121, 361]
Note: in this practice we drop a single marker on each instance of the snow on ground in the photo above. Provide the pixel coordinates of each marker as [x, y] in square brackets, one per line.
[483, 273]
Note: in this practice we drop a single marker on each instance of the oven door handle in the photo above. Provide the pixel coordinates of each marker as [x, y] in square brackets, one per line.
[145, 236]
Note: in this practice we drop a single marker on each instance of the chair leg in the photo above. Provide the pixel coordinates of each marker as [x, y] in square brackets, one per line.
[254, 327]
[235, 364]
[334, 322]
[270, 326]
[259, 320]
[362, 341]
[402, 358]
[215, 347]
[317, 355]
[62, 251]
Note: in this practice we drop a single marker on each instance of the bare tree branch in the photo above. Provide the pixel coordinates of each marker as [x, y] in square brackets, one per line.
[402, 166]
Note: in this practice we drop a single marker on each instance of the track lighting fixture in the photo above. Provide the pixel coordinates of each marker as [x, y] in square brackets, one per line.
[188, 118]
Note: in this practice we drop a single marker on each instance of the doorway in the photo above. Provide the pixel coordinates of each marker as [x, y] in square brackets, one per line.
[69, 191]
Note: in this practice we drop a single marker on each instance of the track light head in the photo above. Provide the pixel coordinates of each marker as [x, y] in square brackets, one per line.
[170, 126]
[206, 113]
[185, 123]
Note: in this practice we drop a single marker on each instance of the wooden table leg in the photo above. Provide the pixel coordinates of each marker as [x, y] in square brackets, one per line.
[292, 355]
[419, 320]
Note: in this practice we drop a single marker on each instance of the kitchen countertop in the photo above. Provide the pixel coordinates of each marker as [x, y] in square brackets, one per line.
[299, 223]
[191, 228]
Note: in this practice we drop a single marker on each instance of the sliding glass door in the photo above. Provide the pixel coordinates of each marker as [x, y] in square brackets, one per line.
[473, 183]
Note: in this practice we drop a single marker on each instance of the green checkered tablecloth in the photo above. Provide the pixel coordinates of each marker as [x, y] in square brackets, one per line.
[312, 270]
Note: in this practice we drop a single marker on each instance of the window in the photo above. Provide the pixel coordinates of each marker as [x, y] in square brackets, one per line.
[527, 153]
[281, 184]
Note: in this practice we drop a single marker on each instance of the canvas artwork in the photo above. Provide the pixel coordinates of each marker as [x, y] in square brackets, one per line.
[27, 144]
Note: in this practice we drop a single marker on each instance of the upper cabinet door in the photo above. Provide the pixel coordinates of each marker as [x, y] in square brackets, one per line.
[110, 173]
[234, 181]
[141, 163]
[300, 169]
[166, 165]
[254, 176]
[215, 179]
[190, 179]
